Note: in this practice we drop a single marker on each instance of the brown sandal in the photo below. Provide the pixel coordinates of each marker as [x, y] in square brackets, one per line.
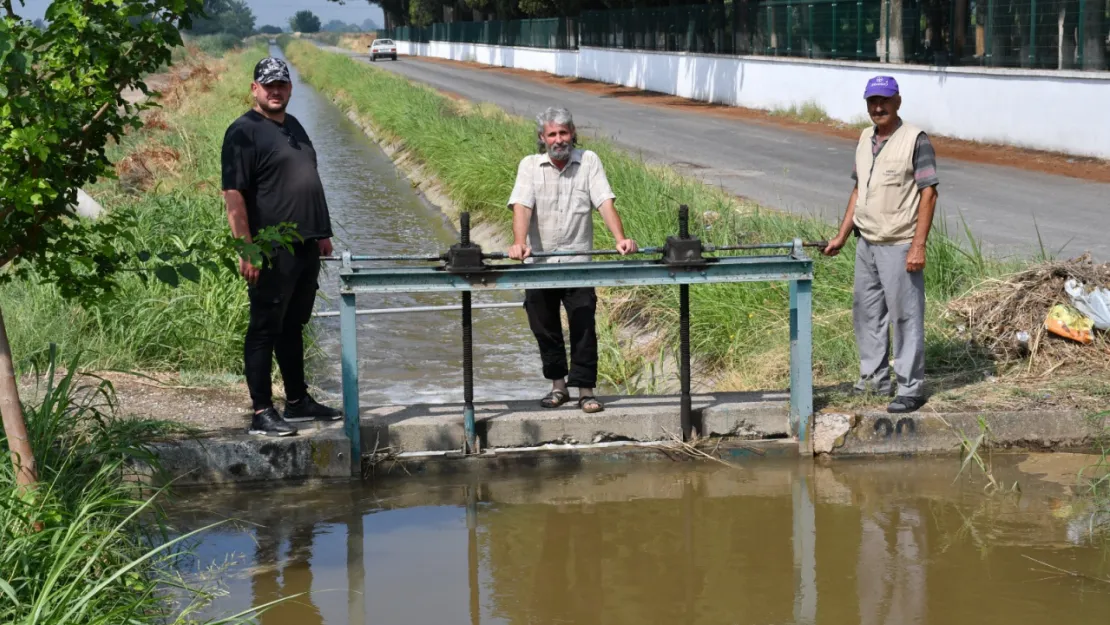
[596, 406]
[554, 399]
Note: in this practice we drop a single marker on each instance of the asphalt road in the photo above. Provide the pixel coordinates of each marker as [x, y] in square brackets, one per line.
[803, 172]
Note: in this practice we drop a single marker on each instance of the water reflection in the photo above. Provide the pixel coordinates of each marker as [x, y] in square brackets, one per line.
[285, 572]
[659, 544]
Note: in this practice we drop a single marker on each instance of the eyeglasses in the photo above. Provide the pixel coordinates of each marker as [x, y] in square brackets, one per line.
[290, 138]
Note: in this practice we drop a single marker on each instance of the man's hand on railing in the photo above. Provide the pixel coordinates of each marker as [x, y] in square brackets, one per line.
[519, 251]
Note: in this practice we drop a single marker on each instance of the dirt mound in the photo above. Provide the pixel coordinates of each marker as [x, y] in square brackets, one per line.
[995, 312]
[138, 171]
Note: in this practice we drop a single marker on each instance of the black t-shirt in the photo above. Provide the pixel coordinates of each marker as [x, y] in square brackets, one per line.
[274, 166]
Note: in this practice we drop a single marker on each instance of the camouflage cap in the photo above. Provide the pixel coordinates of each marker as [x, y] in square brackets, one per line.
[270, 70]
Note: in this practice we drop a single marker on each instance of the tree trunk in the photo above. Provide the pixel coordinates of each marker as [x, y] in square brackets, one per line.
[959, 30]
[1093, 35]
[1065, 37]
[890, 32]
[12, 413]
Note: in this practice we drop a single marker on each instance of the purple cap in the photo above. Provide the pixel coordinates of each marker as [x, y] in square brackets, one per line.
[885, 86]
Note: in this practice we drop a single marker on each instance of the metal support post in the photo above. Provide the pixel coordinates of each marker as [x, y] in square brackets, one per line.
[348, 333]
[684, 334]
[801, 359]
[468, 351]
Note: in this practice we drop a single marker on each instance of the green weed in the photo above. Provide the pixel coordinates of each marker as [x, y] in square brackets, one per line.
[809, 112]
[88, 544]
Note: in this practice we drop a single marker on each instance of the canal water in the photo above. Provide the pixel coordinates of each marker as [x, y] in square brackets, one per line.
[896, 542]
[407, 357]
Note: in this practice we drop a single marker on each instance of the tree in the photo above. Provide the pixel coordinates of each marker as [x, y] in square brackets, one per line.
[60, 104]
[339, 26]
[270, 30]
[369, 25]
[224, 16]
[304, 21]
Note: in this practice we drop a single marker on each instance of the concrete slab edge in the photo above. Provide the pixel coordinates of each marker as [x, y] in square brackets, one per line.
[879, 433]
[322, 453]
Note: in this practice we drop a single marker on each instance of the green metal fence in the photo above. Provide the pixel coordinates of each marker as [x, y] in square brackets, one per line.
[557, 33]
[415, 34]
[1046, 34]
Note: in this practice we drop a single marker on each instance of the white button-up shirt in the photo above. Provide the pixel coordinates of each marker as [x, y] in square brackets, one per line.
[562, 202]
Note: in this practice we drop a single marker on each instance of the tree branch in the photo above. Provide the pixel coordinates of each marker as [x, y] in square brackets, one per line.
[103, 107]
[8, 9]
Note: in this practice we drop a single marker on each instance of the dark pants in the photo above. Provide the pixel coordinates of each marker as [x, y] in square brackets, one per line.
[281, 304]
[542, 306]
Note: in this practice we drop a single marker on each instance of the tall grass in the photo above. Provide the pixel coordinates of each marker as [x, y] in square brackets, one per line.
[148, 325]
[87, 545]
[742, 328]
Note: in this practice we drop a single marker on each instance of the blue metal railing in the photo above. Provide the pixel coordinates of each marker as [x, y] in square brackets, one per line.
[465, 272]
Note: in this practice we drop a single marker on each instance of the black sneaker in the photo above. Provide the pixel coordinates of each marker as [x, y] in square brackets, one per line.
[905, 404]
[269, 423]
[308, 410]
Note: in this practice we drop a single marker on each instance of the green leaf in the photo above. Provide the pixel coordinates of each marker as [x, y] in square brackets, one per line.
[143, 256]
[167, 274]
[165, 256]
[9, 591]
[189, 271]
[230, 265]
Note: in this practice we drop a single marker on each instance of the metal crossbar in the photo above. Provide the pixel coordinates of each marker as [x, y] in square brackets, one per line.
[794, 267]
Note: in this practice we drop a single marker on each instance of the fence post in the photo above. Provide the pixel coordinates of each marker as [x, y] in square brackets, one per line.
[810, 19]
[835, 30]
[859, 28]
[770, 29]
[789, 33]
[1081, 40]
[1032, 33]
[990, 32]
[886, 45]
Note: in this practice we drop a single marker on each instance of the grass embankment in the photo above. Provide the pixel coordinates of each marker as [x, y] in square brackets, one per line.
[169, 183]
[741, 330]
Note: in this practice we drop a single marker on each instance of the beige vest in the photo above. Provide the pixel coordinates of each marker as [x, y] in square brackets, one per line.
[886, 210]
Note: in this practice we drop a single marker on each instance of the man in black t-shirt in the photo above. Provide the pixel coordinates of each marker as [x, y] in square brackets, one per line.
[269, 178]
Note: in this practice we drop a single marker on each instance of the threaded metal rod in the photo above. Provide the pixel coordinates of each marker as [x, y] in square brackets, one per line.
[468, 375]
[684, 221]
[684, 353]
[464, 228]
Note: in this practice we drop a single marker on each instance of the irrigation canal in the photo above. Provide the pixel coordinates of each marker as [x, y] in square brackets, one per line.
[898, 542]
[403, 358]
[895, 542]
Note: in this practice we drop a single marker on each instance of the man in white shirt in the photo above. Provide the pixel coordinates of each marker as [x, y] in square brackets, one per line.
[553, 200]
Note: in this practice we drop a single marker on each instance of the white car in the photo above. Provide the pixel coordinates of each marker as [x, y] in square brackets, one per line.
[381, 48]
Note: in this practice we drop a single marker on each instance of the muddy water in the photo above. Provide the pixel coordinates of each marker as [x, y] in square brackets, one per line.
[403, 358]
[877, 543]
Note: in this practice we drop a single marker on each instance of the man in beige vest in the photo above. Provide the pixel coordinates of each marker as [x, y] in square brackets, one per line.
[890, 211]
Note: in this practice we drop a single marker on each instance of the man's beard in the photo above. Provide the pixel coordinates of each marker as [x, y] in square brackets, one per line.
[265, 105]
[559, 151]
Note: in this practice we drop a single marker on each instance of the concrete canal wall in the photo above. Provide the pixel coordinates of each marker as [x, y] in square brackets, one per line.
[427, 438]
[1044, 110]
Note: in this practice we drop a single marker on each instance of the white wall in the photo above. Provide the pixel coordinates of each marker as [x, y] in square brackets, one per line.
[1047, 110]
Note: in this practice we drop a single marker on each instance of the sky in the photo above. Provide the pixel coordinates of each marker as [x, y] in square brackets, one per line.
[275, 12]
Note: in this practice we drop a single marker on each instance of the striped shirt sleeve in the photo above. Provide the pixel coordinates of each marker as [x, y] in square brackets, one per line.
[924, 162]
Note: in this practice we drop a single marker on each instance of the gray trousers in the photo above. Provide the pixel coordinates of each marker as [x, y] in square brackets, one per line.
[887, 297]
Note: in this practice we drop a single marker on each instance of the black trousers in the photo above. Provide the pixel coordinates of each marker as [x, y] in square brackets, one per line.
[281, 304]
[542, 306]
